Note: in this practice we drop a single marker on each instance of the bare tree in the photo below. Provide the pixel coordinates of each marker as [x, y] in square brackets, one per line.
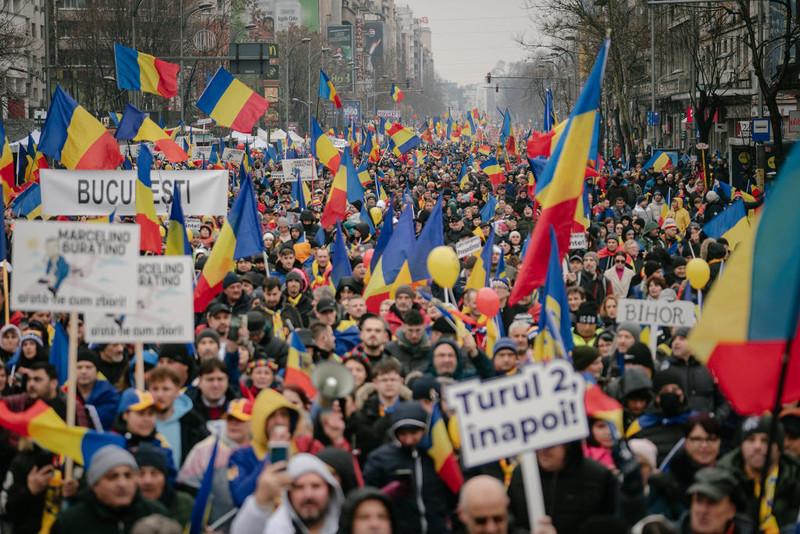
[15, 47]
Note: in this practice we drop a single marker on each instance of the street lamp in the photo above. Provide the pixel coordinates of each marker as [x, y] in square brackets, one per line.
[202, 6]
[304, 40]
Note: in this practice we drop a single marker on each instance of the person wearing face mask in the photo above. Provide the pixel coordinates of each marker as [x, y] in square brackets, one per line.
[663, 424]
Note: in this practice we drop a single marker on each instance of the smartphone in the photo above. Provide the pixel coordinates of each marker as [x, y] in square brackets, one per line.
[278, 451]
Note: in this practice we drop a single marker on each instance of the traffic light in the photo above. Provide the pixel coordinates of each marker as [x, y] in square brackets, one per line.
[497, 88]
[489, 77]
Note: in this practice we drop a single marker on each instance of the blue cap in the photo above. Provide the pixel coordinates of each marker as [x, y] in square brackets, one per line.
[504, 343]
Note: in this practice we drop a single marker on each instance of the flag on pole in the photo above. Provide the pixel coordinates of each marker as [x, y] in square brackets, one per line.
[299, 366]
[177, 239]
[146, 217]
[137, 71]
[327, 90]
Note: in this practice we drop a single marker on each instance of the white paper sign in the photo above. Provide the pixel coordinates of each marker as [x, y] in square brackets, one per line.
[303, 167]
[468, 247]
[193, 224]
[656, 312]
[163, 306]
[234, 155]
[577, 241]
[65, 267]
[75, 193]
[538, 407]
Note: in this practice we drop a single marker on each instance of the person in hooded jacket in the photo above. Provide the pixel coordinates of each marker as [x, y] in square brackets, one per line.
[447, 359]
[310, 500]
[425, 506]
[412, 346]
[368, 510]
[574, 489]
[95, 394]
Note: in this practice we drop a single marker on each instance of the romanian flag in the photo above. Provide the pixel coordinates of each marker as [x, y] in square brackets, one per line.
[323, 149]
[355, 189]
[240, 236]
[299, 366]
[659, 162]
[386, 274]
[751, 313]
[146, 217]
[387, 229]
[231, 103]
[363, 173]
[492, 169]
[598, 405]
[440, 448]
[28, 202]
[201, 500]
[6, 166]
[728, 192]
[136, 126]
[35, 161]
[426, 135]
[732, 224]
[397, 94]
[404, 139]
[339, 195]
[327, 90]
[549, 113]
[561, 184]
[481, 274]
[177, 239]
[41, 423]
[301, 194]
[142, 72]
[339, 258]
[431, 236]
[75, 138]
[555, 333]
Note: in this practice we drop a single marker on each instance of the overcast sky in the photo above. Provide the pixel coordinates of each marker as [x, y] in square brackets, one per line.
[470, 36]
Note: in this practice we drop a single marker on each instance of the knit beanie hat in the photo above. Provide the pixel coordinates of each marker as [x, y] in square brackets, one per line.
[106, 459]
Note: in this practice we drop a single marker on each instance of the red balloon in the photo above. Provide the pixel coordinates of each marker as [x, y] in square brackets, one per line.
[487, 301]
[240, 146]
[368, 257]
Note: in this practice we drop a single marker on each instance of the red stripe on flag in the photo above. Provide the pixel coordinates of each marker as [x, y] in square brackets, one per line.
[167, 77]
[251, 111]
[104, 154]
[296, 377]
[204, 294]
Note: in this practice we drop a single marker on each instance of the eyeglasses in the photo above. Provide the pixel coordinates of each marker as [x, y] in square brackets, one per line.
[707, 440]
[619, 261]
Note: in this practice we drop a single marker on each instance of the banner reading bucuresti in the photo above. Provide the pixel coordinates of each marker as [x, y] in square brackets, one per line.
[64, 267]
[98, 193]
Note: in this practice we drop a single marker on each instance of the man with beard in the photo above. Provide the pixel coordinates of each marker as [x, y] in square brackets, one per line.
[113, 361]
[373, 340]
[309, 494]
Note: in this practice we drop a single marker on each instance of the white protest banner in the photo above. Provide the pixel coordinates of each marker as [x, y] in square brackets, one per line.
[337, 143]
[163, 306]
[201, 152]
[233, 155]
[304, 167]
[540, 406]
[63, 267]
[656, 312]
[98, 193]
[193, 224]
[468, 247]
[577, 241]
[277, 175]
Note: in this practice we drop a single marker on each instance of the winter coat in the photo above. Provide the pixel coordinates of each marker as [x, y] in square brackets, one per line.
[702, 393]
[104, 398]
[787, 491]
[183, 430]
[668, 495]
[483, 366]
[355, 498]
[368, 427]
[412, 357]
[90, 516]
[196, 396]
[617, 286]
[582, 489]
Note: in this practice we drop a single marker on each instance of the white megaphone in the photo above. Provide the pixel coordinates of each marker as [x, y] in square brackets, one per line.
[332, 380]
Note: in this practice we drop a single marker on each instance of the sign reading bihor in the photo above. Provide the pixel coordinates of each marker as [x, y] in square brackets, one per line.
[98, 193]
[64, 267]
[163, 306]
[538, 407]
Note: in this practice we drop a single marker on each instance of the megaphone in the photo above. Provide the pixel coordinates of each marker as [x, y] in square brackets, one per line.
[332, 380]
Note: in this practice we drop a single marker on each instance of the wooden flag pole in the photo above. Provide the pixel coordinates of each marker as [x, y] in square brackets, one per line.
[532, 482]
[72, 371]
[7, 294]
[139, 366]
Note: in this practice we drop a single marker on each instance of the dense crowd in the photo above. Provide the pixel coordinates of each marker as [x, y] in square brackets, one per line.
[284, 462]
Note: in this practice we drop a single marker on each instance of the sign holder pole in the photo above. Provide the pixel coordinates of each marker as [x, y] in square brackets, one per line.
[139, 365]
[653, 343]
[72, 371]
[532, 482]
[5, 290]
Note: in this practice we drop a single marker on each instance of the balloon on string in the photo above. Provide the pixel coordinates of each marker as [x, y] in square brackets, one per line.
[698, 273]
[240, 146]
[368, 257]
[443, 265]
[487, 301]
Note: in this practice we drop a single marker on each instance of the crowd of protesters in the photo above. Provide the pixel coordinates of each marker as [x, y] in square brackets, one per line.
[686, 462]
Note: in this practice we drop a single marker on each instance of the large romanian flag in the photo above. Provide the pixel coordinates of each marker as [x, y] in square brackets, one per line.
[440, 448]
[323, 149]
[146, 218]
[137, 126]
[298, 367]
[555, 328]
[752, 311]
[392, 268]
[660, 161]
[404, 138]
[561, 184]
[231, 103]
[75, 138]
[137, 71]
[731, 223]
[6, 166]
[327, 90]
[240, 236]
[43, 424]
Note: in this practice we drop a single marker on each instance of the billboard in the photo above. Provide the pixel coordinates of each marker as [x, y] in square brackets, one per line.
[287, 13]
[373, 45]
[359, 38]
[351, 109]
[340, 39]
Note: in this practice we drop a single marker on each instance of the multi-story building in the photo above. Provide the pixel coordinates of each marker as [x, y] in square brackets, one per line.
[22, 76]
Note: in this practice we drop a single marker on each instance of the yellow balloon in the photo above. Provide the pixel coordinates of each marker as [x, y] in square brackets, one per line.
[443, 265]
[698, 272]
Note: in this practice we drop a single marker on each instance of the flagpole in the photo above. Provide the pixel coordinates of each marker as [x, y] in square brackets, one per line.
[139, 365]
[72, 371]
[5, 287]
